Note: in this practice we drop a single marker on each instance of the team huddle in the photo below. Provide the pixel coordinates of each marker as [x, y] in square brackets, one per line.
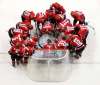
[67, 35]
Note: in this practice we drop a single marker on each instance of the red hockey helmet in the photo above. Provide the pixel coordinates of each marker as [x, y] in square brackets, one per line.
[22, 25]
[78, 15]
[17, 32]
[32, 15]
[28, 15]
[40, 17]
[50, 13]
[58, 7]
[83, 32]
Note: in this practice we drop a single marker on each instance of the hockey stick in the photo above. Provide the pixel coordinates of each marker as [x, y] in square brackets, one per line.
[90, 26]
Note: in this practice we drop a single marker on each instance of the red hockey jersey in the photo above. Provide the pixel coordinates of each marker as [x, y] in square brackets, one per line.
[59, 17]
[17, 32]
[64, 24]
[46, 28]
[75, 41]
[61, 44]
[12, 50]
[83, 32]
[21, 51]
[28, 50]
[16, 40]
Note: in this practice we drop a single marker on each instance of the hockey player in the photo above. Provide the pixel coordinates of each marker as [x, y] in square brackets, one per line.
[30, 45]
[39, 21]
[50, 15]
[61, 44]
[27, 16]
[82, 31]
[78, 17]
[56, 13]
[47, 28]
[63, 25]
[24, 25]
[40, 17]
[18, 43]
[59, 11]
[76, 45]
[17, 53]
[13, 53]
[10, 32]
[24, 28]
[49, 49]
